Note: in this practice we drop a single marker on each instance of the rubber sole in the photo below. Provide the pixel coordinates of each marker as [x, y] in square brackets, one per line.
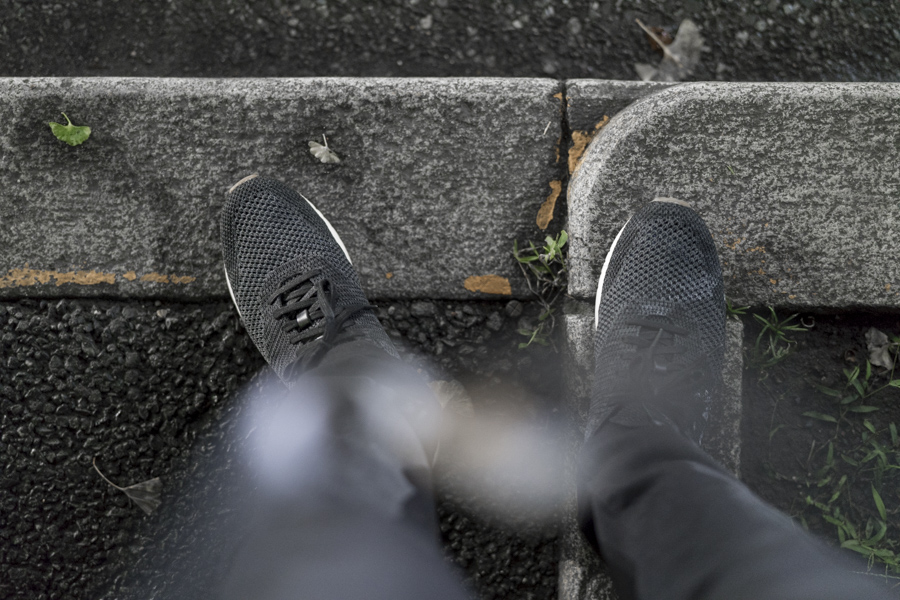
[610, 253]
[331, 229]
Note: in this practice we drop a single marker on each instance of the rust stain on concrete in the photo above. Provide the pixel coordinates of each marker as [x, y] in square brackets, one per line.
[155, 278]
[388, 275]
[26, 276]
[488, 284]
[545, 213]
[84, 277]
[580, 141]
[732, 245]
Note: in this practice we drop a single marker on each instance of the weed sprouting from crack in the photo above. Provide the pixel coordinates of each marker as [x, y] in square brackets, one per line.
[772, 344]
[735, 312]
[546, 275]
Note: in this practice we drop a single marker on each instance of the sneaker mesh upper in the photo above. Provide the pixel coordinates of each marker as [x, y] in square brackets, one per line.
[269, 234]
[664, 267]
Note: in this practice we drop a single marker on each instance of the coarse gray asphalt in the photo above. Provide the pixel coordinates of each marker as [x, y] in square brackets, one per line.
[152, 389]
[747, 40]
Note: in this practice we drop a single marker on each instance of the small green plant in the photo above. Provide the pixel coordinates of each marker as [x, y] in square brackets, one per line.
[863, 522]
[773, 344]
[546, 276]
[858, 387]
[735, 311]
[73, 135]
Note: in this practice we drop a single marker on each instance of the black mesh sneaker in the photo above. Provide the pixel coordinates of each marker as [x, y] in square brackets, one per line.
[660, 323]
[290, 277]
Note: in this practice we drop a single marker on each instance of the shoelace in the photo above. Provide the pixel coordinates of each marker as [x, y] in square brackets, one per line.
[662, 387]
[311, 319]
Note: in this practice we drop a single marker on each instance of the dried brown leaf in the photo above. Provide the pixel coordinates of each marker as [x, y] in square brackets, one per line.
[680, 57]
[145, 494]
[879, 347]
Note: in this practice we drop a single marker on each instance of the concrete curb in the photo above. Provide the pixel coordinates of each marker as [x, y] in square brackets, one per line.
[799, 184]
[438, 177]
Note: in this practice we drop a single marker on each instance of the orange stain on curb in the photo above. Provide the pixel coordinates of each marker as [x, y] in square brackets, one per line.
[27, 277]
[488, 284]
[545, 213]
[580, 141]
[155, 278]
[182, 279]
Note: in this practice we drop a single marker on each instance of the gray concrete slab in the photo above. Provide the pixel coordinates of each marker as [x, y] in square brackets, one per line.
[436, 179]
[799, 184]
[581, 574]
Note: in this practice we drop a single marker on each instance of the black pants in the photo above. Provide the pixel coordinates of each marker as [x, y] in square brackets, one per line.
[672, 524]
[352, 517]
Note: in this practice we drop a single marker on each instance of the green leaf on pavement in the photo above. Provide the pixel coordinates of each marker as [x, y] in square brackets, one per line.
[70, 134]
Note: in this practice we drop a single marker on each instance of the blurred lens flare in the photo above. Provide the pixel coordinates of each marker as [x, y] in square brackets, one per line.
[506, 464]
[287, 432]
[508, 467]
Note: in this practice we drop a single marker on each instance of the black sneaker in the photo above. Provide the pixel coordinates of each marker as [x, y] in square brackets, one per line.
[660, 323]
[290, 277]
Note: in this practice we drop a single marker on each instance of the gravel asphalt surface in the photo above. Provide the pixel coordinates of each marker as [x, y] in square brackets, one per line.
[753, 40]
[152, 389]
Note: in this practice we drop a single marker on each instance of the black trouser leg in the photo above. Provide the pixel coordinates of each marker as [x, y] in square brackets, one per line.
[671, 524]
[346, 511]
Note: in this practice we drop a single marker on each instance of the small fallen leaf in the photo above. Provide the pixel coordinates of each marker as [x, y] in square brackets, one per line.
[323, 153]
[659, 35]
[145, 494]
[70, 134]
[879, 347]
[879, 503]
[679, 58]
[820, 416]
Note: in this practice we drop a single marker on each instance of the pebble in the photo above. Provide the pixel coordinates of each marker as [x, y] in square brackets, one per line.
[422, 309]
[513, 309]
[494, 321]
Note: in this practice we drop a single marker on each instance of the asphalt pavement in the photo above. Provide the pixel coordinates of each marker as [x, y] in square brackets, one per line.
[752, 40]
